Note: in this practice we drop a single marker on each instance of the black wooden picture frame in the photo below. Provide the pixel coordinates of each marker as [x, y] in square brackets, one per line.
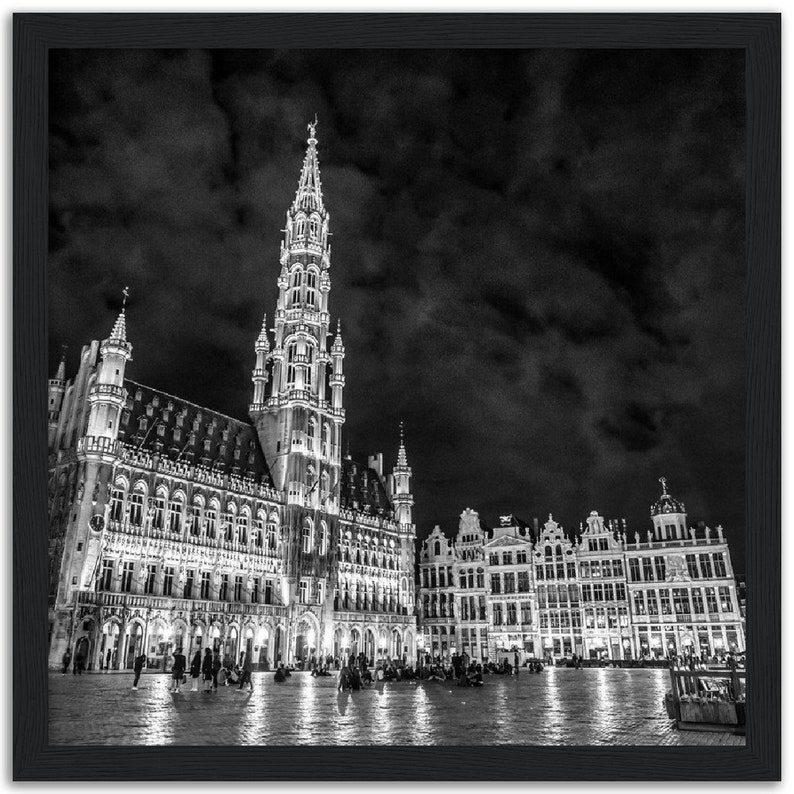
[758, 35]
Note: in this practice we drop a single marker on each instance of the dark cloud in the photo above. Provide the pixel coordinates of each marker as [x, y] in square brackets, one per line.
[537, 255]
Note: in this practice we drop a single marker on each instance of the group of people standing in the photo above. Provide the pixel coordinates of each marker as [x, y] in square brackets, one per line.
[208, 668]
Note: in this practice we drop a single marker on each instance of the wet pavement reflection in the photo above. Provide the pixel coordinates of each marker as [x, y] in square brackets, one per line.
[557, 707]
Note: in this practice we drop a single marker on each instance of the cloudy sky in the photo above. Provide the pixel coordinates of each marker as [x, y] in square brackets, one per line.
[538, 256]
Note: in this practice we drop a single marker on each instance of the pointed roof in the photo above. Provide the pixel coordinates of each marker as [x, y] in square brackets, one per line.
[309, 195]
[120, 327]
[262, 341]
[402, 458]
[119, 332]
[337, 346]
[61, 373]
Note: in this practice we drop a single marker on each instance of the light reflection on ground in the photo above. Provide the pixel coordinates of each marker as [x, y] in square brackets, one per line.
[557, 707]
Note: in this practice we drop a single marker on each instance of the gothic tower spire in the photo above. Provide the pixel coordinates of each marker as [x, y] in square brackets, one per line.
[401, 490]
[297, 397]
[309, 196]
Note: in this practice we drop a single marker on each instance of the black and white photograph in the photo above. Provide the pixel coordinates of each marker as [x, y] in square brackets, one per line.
[397, 397]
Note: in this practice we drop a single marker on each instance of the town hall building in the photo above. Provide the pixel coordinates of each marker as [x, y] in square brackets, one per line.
[172, 525]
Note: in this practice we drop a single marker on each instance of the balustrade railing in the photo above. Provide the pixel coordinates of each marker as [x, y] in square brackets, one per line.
[146, 601]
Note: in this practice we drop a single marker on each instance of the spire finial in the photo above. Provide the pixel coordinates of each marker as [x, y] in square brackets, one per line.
[338, 326]
[663, 481]
[402, 458]
[309, 195]
[126, 293]
[64, 348]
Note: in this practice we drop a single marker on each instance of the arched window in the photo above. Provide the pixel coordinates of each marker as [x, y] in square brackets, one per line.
[311, 289]
[176, 512]
[312, 433]
[437, 548]
[323, 539]
[271, 536]
[117, 502]
[241, 529]
[300, 226]
[314, 227]
[198, 506]
[136, 504]
[292, 351]
[229, 523]
[159, 510]
[295, 288]
[306, 536]
[259, 531]
[326, 447]
[211, 519]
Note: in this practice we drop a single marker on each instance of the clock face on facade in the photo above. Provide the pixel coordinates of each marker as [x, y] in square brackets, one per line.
[96, 523]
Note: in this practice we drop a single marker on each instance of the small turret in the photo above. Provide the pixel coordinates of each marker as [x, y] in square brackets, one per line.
[402, 499]
[106, 398]
[337, 379]
[668, 516]
[56, 388]
[259, 374]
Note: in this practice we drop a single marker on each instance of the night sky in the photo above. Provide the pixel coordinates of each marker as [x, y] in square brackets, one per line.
[537, 256]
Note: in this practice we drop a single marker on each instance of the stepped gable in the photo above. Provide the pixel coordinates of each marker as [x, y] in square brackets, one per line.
[161, 423]
[363, 491]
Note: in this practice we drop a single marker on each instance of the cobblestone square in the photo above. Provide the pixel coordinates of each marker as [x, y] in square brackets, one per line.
[558, 707]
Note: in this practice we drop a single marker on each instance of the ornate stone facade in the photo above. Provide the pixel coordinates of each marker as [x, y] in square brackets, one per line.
[598, 595]
[172, 525]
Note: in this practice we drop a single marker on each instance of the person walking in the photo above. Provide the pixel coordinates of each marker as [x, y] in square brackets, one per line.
[108, 656]
[245, 673]
[77, 666]
[66, 659]
[137, 667]
[195, 670]
[206, 671]
[216, 668]
[178, 669]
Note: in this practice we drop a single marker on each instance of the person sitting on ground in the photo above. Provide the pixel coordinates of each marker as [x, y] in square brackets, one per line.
[475, 678]
[463, 679]
[280, 675]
